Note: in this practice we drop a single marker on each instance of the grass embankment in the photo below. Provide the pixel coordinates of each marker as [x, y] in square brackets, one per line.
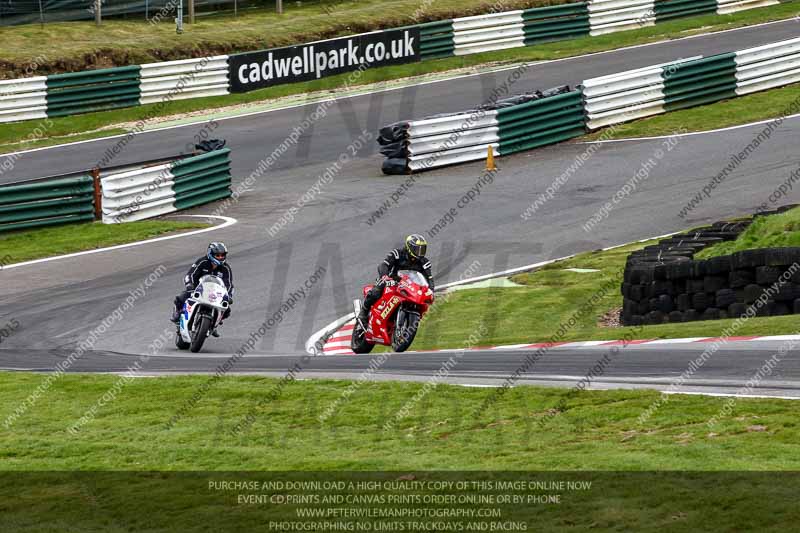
[25, 245]
[775, 231]
[596, 430]
[78, 45]
[67, 129]
[743, 110]
[551, 296]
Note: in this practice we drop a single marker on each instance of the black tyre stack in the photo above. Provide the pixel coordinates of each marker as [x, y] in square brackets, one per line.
[663, 283]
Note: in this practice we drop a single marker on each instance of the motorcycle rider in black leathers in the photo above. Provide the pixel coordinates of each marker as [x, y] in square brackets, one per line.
[215, 263]
[410, 257]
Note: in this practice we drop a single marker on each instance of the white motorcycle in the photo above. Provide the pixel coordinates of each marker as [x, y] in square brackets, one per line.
[201, 313]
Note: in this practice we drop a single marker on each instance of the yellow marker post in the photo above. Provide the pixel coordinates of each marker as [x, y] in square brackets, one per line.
[490, 159]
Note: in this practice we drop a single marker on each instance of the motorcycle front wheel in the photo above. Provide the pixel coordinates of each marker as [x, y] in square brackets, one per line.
[179, 342]
[358, 342]
[404, 333]
[200, 333]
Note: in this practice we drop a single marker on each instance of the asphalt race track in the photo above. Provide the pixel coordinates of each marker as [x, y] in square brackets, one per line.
[59, 303]
[726, 371]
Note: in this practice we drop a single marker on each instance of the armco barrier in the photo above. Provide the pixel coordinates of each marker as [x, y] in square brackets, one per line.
[138, 194]
[541, 122]
[672, 9]
[483, 33]
[608, 16]
[511, 125]
[629, 95]
[767, 66]
[44, 203]
[623, 97]
[565, 21]
[124, 193]
[436, 39]
[202, 179]
[701, 81]
[530, 121]
[157, 190]
[81, 92]
[731, 6]
[696, 81]
[188, 78]
[23, 99]
[442, 141]
[95, 90]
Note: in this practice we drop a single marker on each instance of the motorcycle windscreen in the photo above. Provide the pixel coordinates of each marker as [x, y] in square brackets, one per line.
[210, 279]
[414, 277]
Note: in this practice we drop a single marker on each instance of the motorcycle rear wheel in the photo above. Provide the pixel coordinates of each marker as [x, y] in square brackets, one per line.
[404, 333]
[199, 335]
[358, 342]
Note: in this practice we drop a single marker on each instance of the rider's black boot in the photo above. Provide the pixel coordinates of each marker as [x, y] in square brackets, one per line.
[363, 317]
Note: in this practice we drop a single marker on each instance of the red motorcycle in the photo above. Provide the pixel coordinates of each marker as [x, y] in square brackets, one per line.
[394, 318]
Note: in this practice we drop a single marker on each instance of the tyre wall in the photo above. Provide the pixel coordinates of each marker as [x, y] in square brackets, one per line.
[663, 283]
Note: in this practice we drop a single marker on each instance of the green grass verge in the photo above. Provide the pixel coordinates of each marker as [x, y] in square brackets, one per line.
[24, 245]
[551, 296]
[596, 430]
[775, 231]
[13, 134]
[743, 110]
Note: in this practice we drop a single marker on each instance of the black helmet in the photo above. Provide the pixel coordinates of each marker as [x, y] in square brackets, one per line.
[416, 245]
[217, 253]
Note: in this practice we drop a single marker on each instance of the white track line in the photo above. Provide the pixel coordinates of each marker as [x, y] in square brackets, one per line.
[367, 93]
[690, 134]
[228, 222]
[733, 394]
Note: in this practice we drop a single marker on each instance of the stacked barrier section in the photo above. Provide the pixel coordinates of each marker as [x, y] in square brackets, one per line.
[609, 16]
[189, 78]
[566, 21]
[698, 82]
[81, 92]
[157, 190]
[622, 97]
[541, 122]
[484, 33]
[47, 202]
[511, 125]
[731, 6]
[95, 90]
[672, 9]
[442, 141]
[768, 66]
[23, 99]
[436, 39]
[532, 120]
[138, 194]
[202, 179]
